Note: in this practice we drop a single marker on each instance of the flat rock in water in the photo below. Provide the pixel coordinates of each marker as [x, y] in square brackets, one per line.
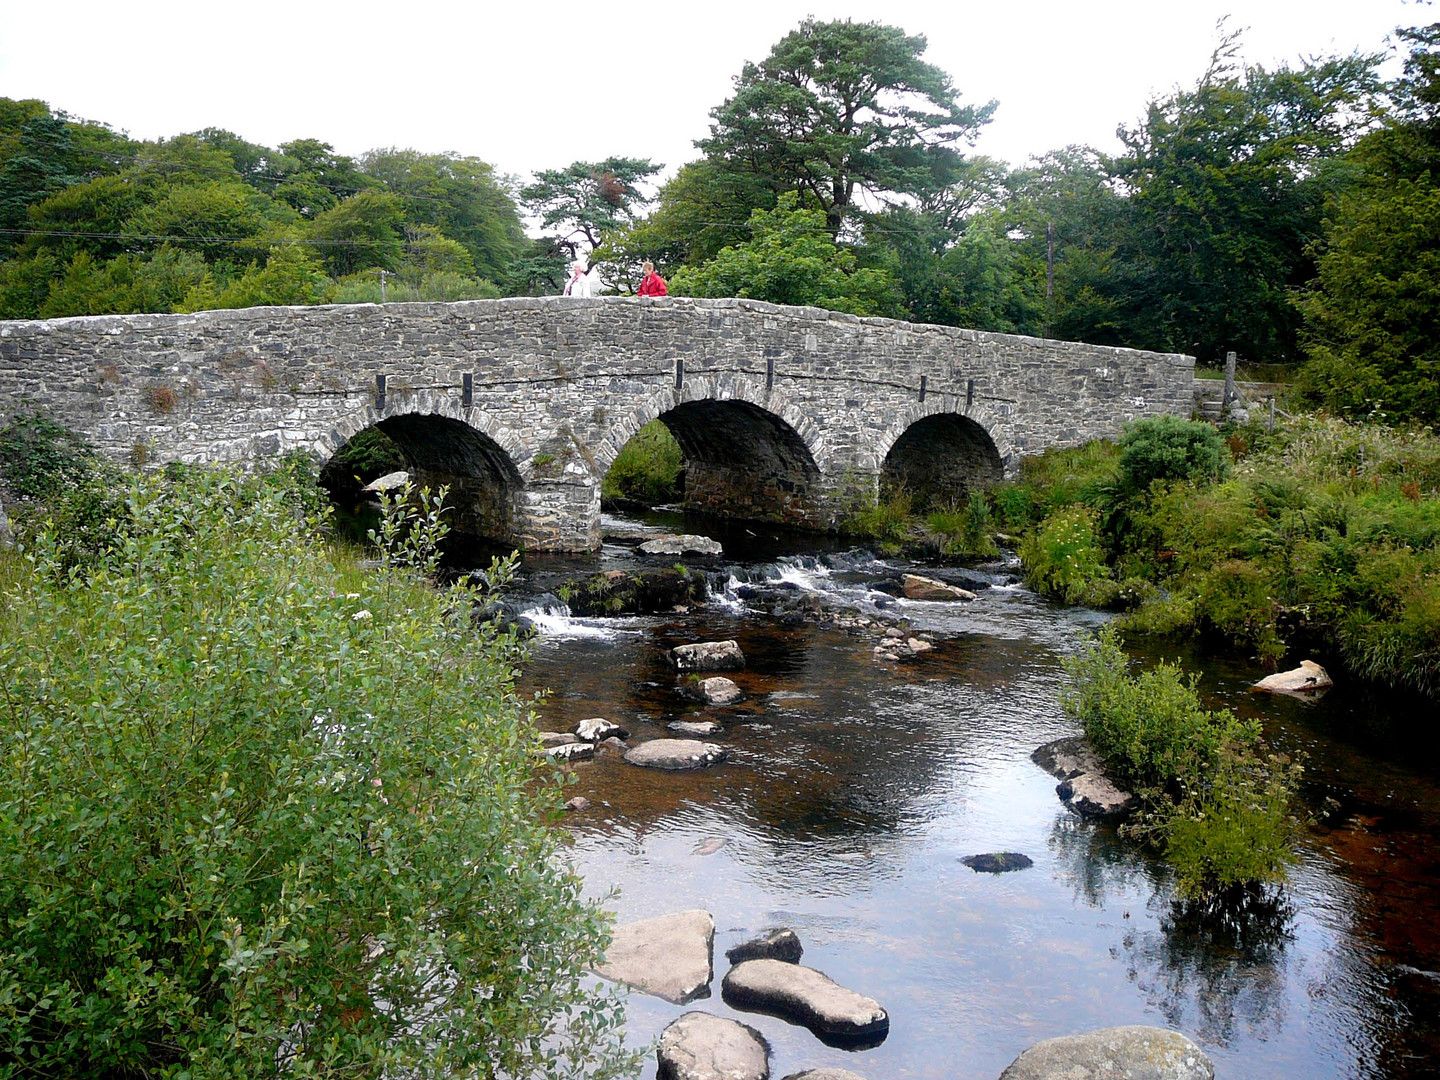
[598, 729]
[571, 751]
[1118, 1053]
[696, 727]
[1308, 678]
[916, 587]
[1094, 796]
[807, 997]
[1065, 758]
[998, 862]
[716, 690]
[577, 804]
[388, 482]
[682, 544]
[708, 656]
[557, 738]
[670, 956]
[674, 754]
[825, 1074]
[783, 944]
[699, 1046]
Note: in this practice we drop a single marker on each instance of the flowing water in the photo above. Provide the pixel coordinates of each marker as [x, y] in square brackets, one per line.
[854, 787]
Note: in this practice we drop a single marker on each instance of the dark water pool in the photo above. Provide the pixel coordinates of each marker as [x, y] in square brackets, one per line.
[854, 787]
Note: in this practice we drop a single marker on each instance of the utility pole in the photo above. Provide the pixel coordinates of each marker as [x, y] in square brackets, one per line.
[383, 274]
[1049, 261]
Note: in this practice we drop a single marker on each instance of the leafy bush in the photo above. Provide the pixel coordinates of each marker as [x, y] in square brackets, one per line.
[367, 456]
[1169, 448]
[1210, 799]
[266, 814]
[39, 457]
[649, 468]
[965, 532]
[886, 520]
[1064, 558]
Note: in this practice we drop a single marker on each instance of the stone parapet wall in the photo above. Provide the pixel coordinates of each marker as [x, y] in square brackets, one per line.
[557, 385]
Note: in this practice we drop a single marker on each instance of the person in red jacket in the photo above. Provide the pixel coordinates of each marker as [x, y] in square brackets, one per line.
[653, 284]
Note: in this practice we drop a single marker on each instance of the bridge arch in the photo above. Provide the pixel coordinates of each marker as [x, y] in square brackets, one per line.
[939, 455]
[446, 444]
[749, 452]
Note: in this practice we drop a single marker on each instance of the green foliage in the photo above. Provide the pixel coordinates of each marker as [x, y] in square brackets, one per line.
[792, 259]
[1064, 557]
[39, 458]
[589, 200]
[1169, 448]
[367, 456]
[266, 814]
[1210, 799]
[965, 532]
[289, 276]
[887, 520]
[843, 107]
[649, 468]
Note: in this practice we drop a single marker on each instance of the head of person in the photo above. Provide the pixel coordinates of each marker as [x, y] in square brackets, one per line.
[649, 268]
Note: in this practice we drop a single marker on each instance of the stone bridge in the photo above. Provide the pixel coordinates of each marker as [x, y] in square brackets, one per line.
[521, 405]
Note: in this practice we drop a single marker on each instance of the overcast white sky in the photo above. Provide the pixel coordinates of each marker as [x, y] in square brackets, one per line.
[528, 85]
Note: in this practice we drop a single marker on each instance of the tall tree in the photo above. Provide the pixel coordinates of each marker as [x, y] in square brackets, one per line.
[841, 108]
[588, 200]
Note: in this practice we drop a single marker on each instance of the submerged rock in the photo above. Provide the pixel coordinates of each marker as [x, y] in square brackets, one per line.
[598, 729]
[578, 804]
[1119, 1053]
[998, 862]
[807, 997]
[696, 727]
[916, 587]
[675, 754]
[699, 1046]
[618, 592]
[682, 544]
[708, 656]
[716, 690]
[1308, 678]
[709, 845]
[1068, 757]
[783, 944]
[670, 956]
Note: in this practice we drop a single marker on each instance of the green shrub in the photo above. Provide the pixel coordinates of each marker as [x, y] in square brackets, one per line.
[887, 520]
[367, 456]
[964, 532]
[1169, 448]
[1209, 798]
[267, 814]
[649, 468]
[39, 458]
[1063, 558]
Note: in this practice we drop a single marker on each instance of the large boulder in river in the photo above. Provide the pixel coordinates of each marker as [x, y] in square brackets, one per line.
[1068, 757]
[671, 956]
[675, 755]
[916, 587]
[808, 997]
[1094, 796]
[699, 1046]
[389, 482]
[1119, 1053]
[597, 729]
[783, 944]
[682, 544]
[1308, 678]
[619, 592]
[708, 656]
[716, 690]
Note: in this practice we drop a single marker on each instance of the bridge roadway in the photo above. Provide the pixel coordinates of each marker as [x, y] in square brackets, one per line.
[521, 405]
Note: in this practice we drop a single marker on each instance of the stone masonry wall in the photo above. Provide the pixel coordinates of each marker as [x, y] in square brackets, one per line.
[559, 385]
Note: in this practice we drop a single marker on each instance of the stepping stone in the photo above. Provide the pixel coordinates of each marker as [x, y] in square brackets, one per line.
[808, 997]
[669, 956]
[682, 544]
[825, 1074]
[708, 656]
[696, 727]
[777, 945]
[556, 738]
[998, 862]
[675, 755]
[574, 751]
[699, 1046]
[716, 690]
[1119, 1053]
[916, 587]
[598, 729]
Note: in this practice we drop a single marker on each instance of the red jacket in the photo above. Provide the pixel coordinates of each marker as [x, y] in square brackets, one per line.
[653, 285]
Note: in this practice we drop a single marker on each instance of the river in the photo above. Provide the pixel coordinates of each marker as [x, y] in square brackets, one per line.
[853, 788]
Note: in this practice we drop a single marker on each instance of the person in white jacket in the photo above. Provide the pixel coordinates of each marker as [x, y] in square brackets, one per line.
[579, 283]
